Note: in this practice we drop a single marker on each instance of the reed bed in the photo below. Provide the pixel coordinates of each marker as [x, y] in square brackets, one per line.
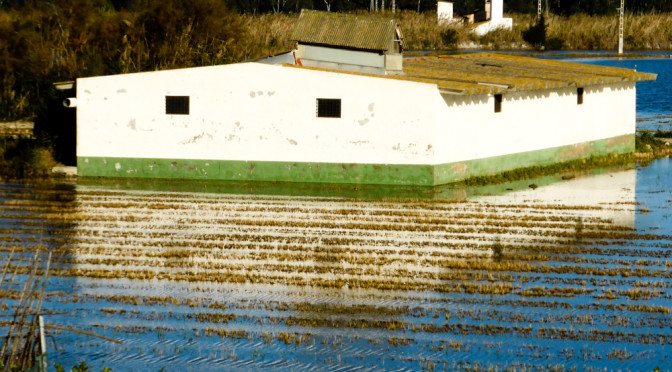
[643, 31]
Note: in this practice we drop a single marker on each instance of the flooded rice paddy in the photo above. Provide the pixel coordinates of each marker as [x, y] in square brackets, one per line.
[572, 274]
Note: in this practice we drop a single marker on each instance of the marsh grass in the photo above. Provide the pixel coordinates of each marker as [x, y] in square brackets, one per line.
[646, 31]
[25, 159]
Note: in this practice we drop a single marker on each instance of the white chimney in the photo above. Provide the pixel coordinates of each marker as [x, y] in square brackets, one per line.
[444, 10]
[497, 10]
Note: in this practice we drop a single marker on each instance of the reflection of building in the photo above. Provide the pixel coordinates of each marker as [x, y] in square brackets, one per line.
[609, 197]
[490, 18]
[339, 110]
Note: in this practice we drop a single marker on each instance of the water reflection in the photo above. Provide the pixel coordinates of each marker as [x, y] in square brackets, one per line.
[654, 197]
[212, 281]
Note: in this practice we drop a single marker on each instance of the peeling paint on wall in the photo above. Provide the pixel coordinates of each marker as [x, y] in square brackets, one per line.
[195, 139]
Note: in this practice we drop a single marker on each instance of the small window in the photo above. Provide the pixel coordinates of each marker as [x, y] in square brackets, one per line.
[579, 96]
[177, 105]
[498, 103]
[328, 108]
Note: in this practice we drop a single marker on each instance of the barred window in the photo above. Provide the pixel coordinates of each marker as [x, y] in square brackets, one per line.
[328, 108]
[177, 105]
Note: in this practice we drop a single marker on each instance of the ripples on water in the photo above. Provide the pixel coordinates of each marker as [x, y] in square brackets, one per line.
[572, 274]
[575, 273]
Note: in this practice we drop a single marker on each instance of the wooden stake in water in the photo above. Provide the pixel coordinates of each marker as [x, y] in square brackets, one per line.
[43, 343]
[620, 28]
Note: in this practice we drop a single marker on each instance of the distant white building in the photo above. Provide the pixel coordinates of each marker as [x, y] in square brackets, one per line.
[436, 121]
[490, 18]
[444, 11]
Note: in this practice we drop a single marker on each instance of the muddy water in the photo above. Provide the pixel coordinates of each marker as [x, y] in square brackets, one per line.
[573, 273]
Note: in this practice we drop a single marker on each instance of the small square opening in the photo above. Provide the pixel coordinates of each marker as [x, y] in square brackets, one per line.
[498, 103]
[328, 107]
[177, 105]
[579, 96]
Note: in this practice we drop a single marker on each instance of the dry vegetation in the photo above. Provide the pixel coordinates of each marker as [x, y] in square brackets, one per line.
[41, 44]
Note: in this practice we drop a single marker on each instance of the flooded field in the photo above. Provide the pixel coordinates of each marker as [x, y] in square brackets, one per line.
[571, 274]
[556, 273]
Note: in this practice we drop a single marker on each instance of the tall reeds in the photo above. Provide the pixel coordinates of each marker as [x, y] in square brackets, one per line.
[40, 44]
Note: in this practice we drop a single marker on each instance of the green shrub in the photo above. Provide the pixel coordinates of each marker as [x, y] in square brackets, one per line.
[535, 35]
[553, 43]
[646, 141]
[450, 37]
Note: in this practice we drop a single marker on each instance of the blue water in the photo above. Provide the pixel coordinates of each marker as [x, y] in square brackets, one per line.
[603, 326]
[654, 98]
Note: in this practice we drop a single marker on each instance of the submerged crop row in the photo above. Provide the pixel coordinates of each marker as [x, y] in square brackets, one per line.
[438, 282]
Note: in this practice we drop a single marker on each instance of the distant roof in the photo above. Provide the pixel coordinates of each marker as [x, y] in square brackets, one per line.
[491, 73]
[344, 30]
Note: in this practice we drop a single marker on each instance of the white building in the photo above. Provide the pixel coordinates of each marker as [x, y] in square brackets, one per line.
[491, 18]
[442, 120]
[444, 12]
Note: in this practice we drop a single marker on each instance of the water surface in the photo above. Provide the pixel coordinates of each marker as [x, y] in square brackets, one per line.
[573, 274]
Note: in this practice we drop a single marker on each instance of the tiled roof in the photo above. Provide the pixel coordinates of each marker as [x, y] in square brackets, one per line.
[344, 30]
[490, 73]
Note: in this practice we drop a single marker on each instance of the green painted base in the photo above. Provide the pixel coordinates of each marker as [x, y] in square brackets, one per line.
[381, 174]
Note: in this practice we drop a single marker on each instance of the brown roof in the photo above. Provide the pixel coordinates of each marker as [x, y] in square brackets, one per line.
[490, 73]
[344, 30]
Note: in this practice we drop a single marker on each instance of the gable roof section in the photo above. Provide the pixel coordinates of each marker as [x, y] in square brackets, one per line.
[344, 30]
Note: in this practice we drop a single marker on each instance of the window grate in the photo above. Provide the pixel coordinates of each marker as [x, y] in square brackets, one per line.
[177, 105]
[328, 107]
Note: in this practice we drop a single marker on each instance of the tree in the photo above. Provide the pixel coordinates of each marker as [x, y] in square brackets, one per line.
[535, 35]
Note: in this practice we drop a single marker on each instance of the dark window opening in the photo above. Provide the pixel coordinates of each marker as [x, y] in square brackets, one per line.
[498, 103]
[177, 105]
[579, 96]
[328, 108]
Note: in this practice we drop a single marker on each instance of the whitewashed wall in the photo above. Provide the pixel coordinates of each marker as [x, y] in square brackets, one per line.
[259, 112]
[254, 111]
[468, 128]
